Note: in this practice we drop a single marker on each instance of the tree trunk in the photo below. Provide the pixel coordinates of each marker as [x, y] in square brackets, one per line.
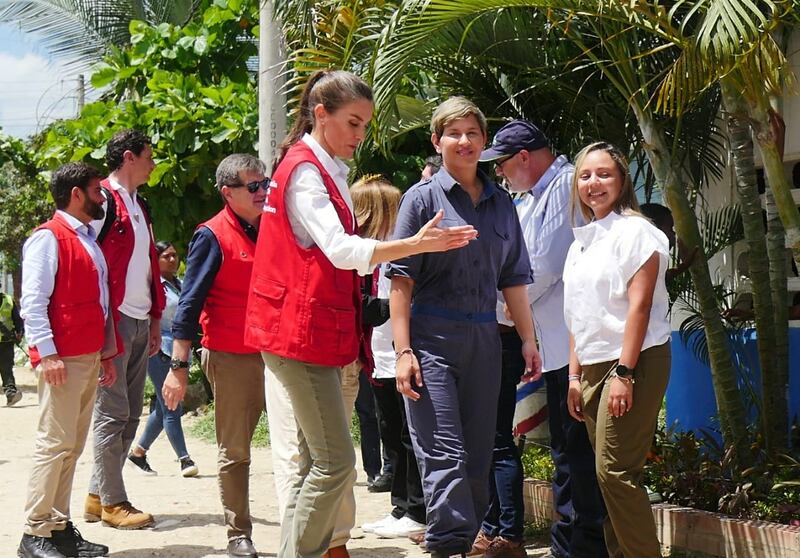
[773, 423]
[732, 417]
[777, 400]
[775, 174]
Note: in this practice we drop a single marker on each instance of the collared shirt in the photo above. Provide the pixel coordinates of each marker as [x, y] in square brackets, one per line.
[39, 267]
[605, 256]
[544, 216]
[138, 299]
[314, 219]
[466, 279]
[202, 264]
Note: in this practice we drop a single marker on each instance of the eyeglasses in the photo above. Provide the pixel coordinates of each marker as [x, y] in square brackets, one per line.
[253, 187]
[500, 162]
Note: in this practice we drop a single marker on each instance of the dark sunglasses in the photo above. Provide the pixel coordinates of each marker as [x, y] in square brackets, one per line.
[253, 187]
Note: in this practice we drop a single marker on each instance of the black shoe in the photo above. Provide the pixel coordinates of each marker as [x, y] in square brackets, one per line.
[188, 468]
[141, 464]
[70, 543]
[381, 483]
[13, 396]
[37, 547]
[241, 546]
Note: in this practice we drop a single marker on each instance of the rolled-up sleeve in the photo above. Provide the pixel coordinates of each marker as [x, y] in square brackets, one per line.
[516, 270]
[39, 267]
[202, 265]
[310, 209]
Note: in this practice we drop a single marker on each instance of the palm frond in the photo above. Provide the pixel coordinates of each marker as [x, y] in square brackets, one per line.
[79, 32]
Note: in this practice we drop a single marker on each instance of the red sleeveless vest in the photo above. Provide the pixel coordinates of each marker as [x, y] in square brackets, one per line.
[76, 316]
[118, 248]
[300, 306]
[222, 318]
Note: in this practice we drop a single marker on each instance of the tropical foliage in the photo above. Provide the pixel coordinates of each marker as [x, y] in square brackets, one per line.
[81, 31]
[188, 87]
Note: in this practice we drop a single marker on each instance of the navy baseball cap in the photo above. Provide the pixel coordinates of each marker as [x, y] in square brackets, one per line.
[513, 138]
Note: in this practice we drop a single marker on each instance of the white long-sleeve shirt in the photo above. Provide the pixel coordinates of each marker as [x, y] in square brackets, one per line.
[313, 218]
[39, 267]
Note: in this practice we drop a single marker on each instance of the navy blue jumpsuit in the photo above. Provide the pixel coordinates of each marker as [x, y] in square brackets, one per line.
[455, 337]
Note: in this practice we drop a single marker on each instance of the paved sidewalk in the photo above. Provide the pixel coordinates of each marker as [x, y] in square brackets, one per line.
[187, 511]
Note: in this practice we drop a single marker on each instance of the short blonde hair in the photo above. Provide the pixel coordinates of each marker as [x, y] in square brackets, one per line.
[626, 203]
[451, 110]
[375, 203]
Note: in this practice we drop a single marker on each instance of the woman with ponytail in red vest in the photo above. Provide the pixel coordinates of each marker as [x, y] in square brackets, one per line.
[304, 308]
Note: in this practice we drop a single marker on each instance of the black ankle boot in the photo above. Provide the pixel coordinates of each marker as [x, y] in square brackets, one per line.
[37, 547]
[71, 544]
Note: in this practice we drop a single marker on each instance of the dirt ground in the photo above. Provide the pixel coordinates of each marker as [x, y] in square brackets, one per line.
[187, 511]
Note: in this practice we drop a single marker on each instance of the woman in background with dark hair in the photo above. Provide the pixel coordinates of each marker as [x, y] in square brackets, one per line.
[161, 418]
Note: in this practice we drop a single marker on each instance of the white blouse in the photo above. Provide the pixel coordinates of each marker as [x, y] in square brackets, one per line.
[600, 263]
[314, 219]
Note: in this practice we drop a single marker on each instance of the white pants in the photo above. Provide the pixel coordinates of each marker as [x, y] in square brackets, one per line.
[283, 437]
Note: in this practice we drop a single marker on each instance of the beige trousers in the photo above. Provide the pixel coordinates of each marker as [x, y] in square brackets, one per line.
[65, 413]
[285, 446]
[237, 381]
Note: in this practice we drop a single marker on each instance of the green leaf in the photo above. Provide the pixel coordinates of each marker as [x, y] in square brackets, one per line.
[201, 45]
[223, 135]
[103, 76]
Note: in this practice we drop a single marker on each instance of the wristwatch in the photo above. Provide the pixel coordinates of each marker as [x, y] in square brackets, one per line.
[625, 372]
[177, 364]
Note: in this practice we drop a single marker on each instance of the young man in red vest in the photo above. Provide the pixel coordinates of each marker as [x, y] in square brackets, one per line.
[68, 322]
[215, 289]
[137, 299]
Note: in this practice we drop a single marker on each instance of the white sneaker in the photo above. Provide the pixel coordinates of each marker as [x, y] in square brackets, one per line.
[387, 521]
[403, 527]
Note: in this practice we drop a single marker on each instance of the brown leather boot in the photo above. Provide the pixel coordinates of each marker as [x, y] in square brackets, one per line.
[337, 552]
[480, 544]
[125, 516]
[92, 509]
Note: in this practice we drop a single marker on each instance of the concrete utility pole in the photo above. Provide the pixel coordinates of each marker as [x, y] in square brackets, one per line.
[81, 90]
[271, 94]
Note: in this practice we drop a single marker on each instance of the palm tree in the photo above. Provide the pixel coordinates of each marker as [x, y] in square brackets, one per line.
[80, 31]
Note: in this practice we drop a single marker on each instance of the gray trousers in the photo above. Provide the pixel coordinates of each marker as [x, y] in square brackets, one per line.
[117, 411]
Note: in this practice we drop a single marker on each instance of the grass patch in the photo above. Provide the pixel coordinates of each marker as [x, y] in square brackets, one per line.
[204, 427]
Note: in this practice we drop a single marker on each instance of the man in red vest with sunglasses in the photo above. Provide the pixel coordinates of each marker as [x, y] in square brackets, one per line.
[137, 300]
[70, 329]
[215, 289]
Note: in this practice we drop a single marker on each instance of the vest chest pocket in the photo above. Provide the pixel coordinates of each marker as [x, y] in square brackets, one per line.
[270, 297]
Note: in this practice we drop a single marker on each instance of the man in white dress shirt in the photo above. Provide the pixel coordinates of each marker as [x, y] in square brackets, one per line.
[521, 154]
[68, 324]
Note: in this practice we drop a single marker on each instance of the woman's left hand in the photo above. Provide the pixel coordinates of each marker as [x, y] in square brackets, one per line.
[620, 397]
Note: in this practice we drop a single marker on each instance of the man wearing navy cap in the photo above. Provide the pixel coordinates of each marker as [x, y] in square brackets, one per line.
[521, 154]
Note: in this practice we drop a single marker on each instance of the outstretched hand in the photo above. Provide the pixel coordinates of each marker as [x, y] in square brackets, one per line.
[432, 238]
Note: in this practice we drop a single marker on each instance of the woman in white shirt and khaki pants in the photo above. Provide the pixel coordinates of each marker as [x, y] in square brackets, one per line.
[615, 305]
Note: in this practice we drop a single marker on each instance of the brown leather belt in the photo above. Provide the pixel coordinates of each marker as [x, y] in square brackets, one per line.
[505, 328]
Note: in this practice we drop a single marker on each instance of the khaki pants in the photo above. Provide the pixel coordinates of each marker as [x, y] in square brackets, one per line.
[621, 446]
[285, 446]
[237, 381]
[65, 413]
[326, 459]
